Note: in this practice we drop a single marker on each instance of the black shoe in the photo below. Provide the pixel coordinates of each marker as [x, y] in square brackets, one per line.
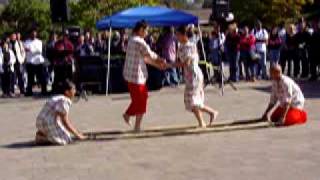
[313, 78]
[28, 94]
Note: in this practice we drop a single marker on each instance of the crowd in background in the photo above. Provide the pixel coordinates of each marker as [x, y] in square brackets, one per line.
[27, 62]
[248, 50]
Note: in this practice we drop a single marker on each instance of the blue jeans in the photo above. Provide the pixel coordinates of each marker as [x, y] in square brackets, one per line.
[170, 77]
[249, 64]
[274, 55]
[233, 58]
[214, 57]
[262, 68]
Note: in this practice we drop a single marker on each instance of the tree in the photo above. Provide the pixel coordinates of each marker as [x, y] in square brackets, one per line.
[271, 12]
[23, 15]
[86, 13]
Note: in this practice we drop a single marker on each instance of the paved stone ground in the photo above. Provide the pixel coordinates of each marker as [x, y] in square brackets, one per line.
[270, 153]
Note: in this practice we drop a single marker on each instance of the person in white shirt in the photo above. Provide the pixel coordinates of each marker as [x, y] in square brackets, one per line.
[8, 60]
[35, 64]
[17, 47]
[289, 97]
[262, 37]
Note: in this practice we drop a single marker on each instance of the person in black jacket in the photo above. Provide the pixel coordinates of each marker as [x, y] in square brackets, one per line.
[289, 51]
[302, 38]
[315, 51]
[7, 77]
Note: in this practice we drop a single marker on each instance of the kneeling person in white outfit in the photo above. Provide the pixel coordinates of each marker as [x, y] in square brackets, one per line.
[53, 124]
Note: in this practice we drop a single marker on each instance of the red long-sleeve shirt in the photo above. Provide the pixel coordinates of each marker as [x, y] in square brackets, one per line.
[247, 42]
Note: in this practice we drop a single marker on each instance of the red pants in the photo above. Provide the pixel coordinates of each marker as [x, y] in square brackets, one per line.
[139, 97]
[294, 116]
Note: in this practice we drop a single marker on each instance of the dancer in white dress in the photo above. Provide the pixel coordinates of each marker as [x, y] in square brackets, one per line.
[188, 59]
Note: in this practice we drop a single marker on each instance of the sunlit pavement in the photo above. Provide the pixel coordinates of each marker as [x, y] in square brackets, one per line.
[241, 154]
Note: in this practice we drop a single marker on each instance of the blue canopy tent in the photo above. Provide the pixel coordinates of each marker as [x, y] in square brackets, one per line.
[155, 16]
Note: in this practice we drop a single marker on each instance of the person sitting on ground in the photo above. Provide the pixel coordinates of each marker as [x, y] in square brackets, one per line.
[53, 123]
[291, 100]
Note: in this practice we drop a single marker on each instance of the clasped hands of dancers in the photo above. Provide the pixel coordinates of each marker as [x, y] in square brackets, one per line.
[54, 126]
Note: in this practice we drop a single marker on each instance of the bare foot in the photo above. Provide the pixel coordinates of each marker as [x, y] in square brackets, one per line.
[213, 117]
[126, 119]
[202, 126]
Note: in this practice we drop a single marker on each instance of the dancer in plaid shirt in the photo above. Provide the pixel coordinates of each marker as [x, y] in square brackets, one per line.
[53, 123]
[135, 72]
[291, 100]
[194, 93]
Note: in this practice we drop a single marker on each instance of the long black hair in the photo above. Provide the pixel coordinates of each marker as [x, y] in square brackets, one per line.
[183, 30]
[140, 25]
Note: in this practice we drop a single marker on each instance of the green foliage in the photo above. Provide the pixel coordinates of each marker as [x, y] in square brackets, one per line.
[23, 15]
[269, 11]
[85, 13]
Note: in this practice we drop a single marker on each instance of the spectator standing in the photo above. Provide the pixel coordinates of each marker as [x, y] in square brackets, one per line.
[315, 52]
[167, 46]
[302, 38]
[193, 34]
[50, 51]
[274, 46]
[35, 64]
[233, 51]
[100, 45]
[290, 49]
[89, 41]
[124, 40]
[81, 49]
[8, 60]
[283, 49]
[262, 37]
[247, 48]
[63, 63]
[216, 48]
[16, 45]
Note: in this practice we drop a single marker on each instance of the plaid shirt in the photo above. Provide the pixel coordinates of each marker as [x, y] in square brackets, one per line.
[135, 69]
[287, 90]
[49, 123]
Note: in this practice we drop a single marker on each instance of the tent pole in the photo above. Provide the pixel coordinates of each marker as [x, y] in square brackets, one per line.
[109, 58]
[202, 46]
[203, 50]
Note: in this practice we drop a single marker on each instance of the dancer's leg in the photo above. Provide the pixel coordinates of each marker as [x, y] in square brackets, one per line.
[197, 112]
[212, 113]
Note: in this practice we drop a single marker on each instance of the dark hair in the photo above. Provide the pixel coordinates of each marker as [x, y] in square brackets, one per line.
[66, 86]
[183, 30]
[140, 25]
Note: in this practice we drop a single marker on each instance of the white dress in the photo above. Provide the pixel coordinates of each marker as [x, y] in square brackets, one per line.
[50, 124]
[194, 93]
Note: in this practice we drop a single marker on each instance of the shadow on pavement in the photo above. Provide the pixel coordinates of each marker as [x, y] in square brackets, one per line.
[25, 145]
